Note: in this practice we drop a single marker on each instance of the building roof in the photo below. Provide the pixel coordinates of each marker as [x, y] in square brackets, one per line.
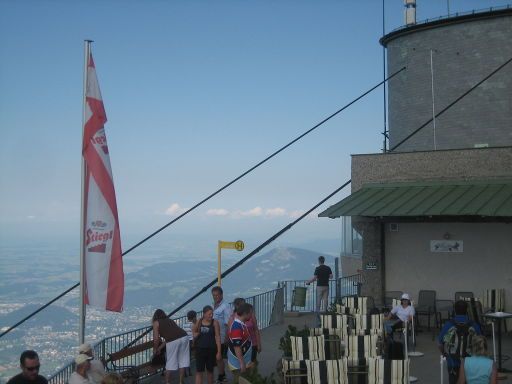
[482, 198]
[456, 18]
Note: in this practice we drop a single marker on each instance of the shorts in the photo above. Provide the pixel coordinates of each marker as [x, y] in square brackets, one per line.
[205, 358]
[178, 354]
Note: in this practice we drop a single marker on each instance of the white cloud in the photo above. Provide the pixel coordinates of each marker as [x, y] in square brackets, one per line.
[174, 210]
[217, 212]
[256, 211]
[253, 212]
[297, 213]
[274, 212]
[31, 217]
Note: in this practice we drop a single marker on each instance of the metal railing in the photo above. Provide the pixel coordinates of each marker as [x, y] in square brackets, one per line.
[344, 286]
[455, 14]
[268, 307]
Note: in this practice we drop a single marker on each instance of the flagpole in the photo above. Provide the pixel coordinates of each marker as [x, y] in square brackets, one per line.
[81, 328]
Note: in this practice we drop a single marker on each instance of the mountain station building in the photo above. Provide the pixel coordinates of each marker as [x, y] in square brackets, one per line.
[435, 211]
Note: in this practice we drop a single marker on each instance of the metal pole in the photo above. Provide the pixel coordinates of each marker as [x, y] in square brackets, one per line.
[385, 133]
[81, 327]
[493, 341]
[433, 99]
[337, 277]
[219, 273]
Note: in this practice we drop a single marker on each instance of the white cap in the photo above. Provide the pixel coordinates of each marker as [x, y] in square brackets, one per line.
[405, 296]
[86, 347]
[82, 358]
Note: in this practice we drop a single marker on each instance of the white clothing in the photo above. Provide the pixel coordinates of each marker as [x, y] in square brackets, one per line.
[96, 372]
[403, 313]
[222, 313]
[178, 354]
[187, 327]
[76, 378]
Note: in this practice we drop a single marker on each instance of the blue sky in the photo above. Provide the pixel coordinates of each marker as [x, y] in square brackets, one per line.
[196, 92]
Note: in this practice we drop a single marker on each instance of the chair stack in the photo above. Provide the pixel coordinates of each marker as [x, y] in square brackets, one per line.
[347, 343]
[494, 300]
[316, 359]
[352, 305]
[382, 371]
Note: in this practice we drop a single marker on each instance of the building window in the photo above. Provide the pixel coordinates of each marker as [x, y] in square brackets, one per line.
[351, 239]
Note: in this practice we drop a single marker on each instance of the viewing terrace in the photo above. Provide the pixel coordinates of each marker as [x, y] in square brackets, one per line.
[276, 311]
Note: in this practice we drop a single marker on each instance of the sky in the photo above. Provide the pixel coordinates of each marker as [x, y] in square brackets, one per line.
[196, 92]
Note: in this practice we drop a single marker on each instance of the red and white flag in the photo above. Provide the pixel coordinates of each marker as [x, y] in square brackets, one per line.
[104, 277]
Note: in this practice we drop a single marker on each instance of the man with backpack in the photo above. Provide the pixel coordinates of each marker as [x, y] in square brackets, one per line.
[455, 339]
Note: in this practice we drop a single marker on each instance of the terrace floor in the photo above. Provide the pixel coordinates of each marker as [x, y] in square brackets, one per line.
[426, 368]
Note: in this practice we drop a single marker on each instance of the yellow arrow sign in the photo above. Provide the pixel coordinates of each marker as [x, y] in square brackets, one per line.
[238, 245]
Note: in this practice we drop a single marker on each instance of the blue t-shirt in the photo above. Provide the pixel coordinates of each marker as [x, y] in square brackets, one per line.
[478, 369]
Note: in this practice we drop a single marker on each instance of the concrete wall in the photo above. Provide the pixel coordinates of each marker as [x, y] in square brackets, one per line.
[485, 263]
[484, 163]
[351, 265]
[463, 54]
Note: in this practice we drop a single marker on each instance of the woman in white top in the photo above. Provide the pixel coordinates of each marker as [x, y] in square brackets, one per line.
[399, 314]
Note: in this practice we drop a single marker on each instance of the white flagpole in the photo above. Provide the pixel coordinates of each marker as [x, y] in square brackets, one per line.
[81, 329]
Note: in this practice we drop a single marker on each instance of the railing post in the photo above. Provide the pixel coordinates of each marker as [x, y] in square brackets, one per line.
[337, 277]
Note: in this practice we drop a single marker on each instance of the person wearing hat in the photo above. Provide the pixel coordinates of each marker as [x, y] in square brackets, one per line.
[399, 314]
[82, 366]
[97, 370]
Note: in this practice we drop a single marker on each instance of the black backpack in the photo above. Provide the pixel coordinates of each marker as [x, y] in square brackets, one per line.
[458, 340]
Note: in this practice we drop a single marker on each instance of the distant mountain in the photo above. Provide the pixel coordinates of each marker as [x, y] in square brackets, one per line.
[324, 247]
[166, 285]
[169, 284]
[54, 315]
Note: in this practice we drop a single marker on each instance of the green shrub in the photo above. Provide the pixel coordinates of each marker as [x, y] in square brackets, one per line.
[285, 343]
[255, 378]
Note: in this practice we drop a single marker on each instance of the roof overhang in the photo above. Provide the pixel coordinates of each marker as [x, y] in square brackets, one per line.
[441, 199]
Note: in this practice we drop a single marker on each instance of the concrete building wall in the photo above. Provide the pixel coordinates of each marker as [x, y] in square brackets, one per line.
[463, 54]
[482, 163]
[485, 263]
[351, 265]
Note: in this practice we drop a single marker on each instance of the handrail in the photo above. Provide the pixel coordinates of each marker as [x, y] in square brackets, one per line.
[450, 15]
[344, 286]
[267, 307]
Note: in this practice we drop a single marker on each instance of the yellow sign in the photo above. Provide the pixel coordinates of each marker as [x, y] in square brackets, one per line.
[238, 245]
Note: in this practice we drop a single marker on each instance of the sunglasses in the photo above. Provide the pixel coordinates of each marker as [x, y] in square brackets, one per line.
[36, 368]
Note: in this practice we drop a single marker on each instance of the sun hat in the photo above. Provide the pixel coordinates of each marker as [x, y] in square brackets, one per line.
[86, 347]
[405, 296]
[82, 358]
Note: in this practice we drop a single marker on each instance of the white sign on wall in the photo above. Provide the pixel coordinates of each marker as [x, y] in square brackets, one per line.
[446, 246]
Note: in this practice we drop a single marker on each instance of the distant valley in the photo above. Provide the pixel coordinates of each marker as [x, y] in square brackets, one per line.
[164, 285]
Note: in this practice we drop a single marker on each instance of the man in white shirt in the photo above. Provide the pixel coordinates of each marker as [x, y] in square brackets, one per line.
[221, 313]
[83, 364]
[97, 370]
[400, 314]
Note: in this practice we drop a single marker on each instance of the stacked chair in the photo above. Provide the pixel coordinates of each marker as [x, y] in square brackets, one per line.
[316, 360]
[493, 300]
[347, 344]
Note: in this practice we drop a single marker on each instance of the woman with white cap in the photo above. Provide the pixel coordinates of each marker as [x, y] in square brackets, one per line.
[97, 370]
[399, 314]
